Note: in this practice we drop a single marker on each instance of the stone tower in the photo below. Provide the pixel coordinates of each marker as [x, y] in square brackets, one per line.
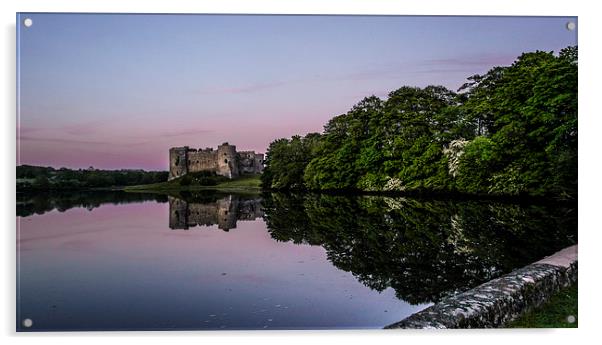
[227, 160]
[178, 162]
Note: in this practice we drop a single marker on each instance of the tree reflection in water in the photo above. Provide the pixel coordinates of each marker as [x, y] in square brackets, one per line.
[423, 249]
[29, 204]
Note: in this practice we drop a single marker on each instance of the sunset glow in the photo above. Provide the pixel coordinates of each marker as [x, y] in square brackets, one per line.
[117, 91]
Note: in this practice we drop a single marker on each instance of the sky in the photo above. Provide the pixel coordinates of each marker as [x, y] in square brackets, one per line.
[116, 91]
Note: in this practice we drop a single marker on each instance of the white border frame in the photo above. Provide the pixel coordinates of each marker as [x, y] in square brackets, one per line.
[589, 118]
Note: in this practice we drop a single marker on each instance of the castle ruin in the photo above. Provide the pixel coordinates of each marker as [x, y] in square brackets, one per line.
[224, 161]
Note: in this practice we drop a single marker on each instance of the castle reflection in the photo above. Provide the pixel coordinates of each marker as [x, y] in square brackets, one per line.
[224, 212]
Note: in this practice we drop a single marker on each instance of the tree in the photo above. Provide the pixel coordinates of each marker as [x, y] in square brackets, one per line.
[517, 125]
[41, 182]
[530, 114]
[286, 161]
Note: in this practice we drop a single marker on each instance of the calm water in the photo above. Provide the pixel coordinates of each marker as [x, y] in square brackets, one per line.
[118, 261]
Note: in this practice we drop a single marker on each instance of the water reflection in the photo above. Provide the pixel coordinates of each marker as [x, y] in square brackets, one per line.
[39, 203]
[224, 211]
[296, 261]
[423, 249]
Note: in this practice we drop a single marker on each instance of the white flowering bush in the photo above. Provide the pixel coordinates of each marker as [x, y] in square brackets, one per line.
[453, 152]
[394, 184]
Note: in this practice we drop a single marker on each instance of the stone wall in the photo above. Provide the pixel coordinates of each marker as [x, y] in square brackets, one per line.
[202, 160]
[224, 161]
[501, 300]
[178, 162]
[227, 162]
[250, 162]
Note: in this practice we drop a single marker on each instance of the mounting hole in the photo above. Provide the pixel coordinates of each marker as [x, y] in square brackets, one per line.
[27, 323]
[28, 22]
[571, 26]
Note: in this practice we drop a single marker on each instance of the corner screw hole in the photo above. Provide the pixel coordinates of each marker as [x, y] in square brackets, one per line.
[27, 323]
[571, 26]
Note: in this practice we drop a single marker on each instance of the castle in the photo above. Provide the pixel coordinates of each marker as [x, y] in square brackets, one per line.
[224, 161]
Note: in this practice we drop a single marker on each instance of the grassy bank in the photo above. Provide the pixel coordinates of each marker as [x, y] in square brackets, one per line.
[553, 314]
[250, 183]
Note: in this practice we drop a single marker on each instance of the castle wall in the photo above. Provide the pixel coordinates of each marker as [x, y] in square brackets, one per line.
[202, 160]
[224, 161]
[250, 162]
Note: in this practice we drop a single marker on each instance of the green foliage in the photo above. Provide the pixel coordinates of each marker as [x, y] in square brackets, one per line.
[203, 181]
[520, 122]
[377, 140]
[186, 180]
[41, 182]
[286, 161]
[201, 178]
[475, 164]
[372, 182]
[47, 178]
[530, 114]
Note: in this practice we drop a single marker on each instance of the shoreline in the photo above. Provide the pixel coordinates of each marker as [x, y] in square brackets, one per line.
[227, 188]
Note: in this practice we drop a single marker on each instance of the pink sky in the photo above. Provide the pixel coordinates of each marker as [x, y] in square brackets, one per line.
[117, 91]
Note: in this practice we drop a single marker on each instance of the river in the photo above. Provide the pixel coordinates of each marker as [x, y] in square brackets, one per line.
[208, 260]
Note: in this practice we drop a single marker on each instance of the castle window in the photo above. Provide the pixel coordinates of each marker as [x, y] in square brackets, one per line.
[225, 161]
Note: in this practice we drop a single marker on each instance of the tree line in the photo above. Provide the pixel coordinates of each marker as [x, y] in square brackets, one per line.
[511, 131]
[31, 177]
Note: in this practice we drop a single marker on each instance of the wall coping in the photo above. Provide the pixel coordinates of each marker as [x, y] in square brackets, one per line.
[501, 300]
